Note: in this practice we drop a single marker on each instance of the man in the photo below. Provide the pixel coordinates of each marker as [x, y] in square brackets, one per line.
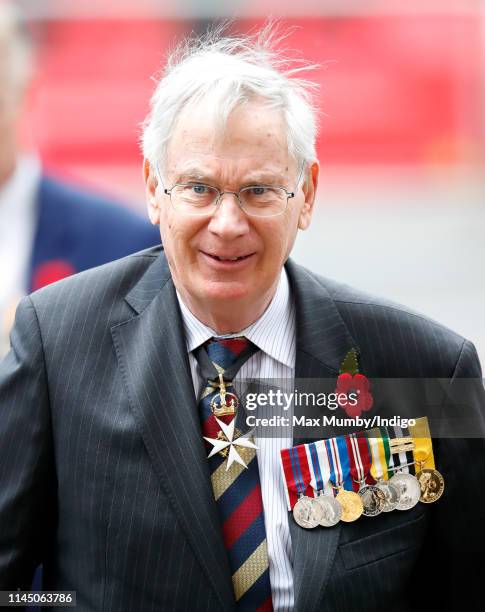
[117, 374]
[48, 230]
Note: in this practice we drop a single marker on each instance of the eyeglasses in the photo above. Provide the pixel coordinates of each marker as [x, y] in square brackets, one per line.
[256, 200]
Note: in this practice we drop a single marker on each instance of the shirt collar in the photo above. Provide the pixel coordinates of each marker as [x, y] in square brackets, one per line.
[265, 332]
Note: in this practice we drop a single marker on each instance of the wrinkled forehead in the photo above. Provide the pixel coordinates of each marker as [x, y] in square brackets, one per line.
[252, 139]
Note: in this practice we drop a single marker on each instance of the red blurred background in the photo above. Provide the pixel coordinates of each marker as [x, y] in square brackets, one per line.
[395, 89]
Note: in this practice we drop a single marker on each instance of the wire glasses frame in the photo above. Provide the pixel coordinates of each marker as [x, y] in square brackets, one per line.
[218, 195]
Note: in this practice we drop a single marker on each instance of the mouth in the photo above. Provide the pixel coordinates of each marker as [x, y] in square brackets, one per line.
[226, 260]
[227, 257]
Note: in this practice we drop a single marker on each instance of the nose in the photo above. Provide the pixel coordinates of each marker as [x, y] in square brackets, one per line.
[229, 221]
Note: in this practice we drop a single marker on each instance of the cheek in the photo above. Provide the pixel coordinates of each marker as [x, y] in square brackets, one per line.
[168, 225]
[165, 233]
[288, 230]
[180, 234]
[275, 246]
[287, 238]
[168, 233]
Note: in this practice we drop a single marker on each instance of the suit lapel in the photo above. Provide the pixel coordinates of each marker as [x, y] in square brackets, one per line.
[154, 364]
[322, 342]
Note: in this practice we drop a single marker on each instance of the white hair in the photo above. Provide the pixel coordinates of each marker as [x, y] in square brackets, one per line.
[227, 71]
[15, 47]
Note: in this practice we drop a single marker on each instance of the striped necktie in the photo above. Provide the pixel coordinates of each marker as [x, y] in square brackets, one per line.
[237, 491]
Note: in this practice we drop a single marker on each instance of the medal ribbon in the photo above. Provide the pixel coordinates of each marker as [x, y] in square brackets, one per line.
[402, 458]
[409, 454]
[342, 453]
[316, 480]
[335, 475]
[380, 451]
[358, 449]
[297, 473]
[387, 449]
[379, 465]
[423, 450]
[324, 466]
[318, 462]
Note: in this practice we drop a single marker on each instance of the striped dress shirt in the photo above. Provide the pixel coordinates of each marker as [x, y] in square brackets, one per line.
[274, 333]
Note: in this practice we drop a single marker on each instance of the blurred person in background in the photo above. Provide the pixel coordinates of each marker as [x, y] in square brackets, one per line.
[48, 229]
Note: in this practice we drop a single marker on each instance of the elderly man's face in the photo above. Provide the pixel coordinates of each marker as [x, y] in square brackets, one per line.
[252, 150]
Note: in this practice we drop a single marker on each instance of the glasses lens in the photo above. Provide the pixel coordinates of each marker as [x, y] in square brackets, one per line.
[261, 201]
[194, 198]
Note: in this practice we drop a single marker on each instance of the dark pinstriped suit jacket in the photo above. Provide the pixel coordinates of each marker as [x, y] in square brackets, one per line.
[104, 477]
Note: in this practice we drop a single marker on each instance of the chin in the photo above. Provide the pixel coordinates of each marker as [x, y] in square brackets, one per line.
[217, 290]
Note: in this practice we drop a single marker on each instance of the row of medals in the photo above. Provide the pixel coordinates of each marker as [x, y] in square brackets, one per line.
[401, 492]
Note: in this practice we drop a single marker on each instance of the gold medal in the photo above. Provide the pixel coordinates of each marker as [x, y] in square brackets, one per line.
[352, 506]
[431, 482]
[432, 485]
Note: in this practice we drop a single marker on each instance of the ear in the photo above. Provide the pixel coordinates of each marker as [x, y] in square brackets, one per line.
[309, 189]
[151, 184]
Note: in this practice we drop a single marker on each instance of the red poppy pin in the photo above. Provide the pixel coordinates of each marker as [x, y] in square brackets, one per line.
[351, 381]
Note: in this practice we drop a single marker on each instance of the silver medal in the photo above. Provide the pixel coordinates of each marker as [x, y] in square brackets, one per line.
[409, 490]
[391, 494]
[308, 512]
[332, 510]
[373, 500]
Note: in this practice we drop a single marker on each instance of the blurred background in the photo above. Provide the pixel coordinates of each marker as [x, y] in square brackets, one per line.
[401, 204]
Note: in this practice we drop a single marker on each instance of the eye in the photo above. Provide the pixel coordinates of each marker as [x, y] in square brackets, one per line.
[257, 190]
[199, 189]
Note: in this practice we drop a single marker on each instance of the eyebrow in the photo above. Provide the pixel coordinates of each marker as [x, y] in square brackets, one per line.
[196, 174]
[192, 175]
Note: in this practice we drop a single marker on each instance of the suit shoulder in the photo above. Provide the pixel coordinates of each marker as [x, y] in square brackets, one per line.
[397, 340]
[348, 297]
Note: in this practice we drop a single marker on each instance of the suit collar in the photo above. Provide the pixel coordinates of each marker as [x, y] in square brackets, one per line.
[153, 359]
[150, 285]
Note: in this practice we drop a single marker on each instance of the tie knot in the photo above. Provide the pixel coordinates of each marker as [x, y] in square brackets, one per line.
[226, 351]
